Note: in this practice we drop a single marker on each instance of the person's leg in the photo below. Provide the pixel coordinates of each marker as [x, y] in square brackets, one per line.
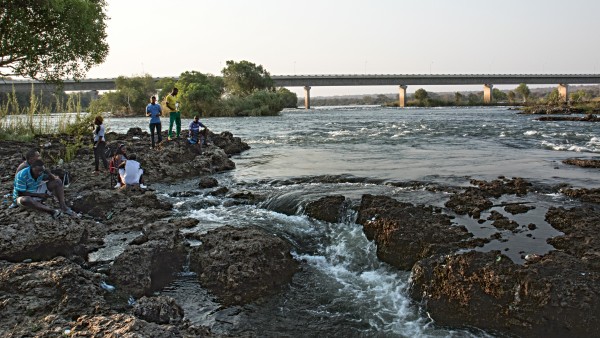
[29, 202]
[171, 120]
[57, 189]
[96, 157]
[178, 122]
[101, 153]
[152, 127]
[159, 131]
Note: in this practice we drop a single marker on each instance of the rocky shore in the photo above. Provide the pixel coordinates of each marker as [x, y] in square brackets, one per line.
[50, 286]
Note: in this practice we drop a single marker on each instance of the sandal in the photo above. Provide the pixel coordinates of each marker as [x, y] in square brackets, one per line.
[56, 214]
[71, 213]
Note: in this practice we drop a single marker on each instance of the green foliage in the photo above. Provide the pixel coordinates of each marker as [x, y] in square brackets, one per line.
[130, 98]
[473, 99]
[288, 99]
[580, 96]
[458, 98]
[524, 91]
[259, 103]
[165, 86]
[499, 95]
[421, 95]
[511, 96]
[199, 93]
[553, 97]
[244, 77]
[51, 39]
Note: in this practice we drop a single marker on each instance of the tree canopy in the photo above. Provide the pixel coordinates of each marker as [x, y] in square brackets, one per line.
[421, 95]
[51, 39]
[199, 92]
[524, 91]
[131, 97]
[244, 77]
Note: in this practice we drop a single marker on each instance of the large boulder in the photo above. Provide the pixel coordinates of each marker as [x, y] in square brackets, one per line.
[159, 310]
[149, 266]
[31, 234]
[230, 144]
[557, 296]
[240, 265]
[327, 209]
[43, 295]
[405, 233]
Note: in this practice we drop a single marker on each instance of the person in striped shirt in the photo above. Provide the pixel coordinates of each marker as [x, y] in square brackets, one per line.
[30, 188]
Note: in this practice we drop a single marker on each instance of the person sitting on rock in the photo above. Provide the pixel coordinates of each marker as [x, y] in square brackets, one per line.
[131, 172]
[197, 136]
[52, 185]
[31, 189]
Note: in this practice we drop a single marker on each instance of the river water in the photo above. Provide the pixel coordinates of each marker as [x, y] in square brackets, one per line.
[301, 155]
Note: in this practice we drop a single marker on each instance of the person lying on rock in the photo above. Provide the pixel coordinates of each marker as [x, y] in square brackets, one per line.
[31, 189]
[51, 184]
[131, 172]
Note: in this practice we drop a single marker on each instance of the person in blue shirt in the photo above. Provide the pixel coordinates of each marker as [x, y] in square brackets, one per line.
[154, 111]
[197, 136]
[30, 188]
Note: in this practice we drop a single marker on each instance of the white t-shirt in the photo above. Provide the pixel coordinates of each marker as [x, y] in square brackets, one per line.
[132, 172]
[100, 133]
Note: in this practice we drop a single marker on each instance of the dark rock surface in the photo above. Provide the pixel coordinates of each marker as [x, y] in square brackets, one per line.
[230, 144]
[405, 233]
[208, 182]
[122, 325]
[584, 163]
[327, 209]
[586, 118]
[240, 265]
[584, 195]
[159, 310]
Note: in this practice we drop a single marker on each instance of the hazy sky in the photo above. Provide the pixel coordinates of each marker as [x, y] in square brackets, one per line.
[166, 38]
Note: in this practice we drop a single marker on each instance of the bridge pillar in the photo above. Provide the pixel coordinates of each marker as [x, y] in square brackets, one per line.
[563, 92]
[402, 96]
[94, 94]
[487, 93]
[306, 97]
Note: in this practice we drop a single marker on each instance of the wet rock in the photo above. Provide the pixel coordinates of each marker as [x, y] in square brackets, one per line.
[584, 195]
[45, 294]
[327, 209]
[240, 265]
[208, 182]
[221, 191]
[121, 325]
[584, 163]
[518, 208]
[586, 118]
[502, 222]
[143, 268]
[496, 188]
[405, 233]
[230, 144]
[35, 235]
[471, 201]
[556, 296]
[159, 310]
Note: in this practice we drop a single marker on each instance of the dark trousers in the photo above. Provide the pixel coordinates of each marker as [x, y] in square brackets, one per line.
[99, 150]
[156, 126]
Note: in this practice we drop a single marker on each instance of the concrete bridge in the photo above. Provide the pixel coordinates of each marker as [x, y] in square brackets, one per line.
[402, 81]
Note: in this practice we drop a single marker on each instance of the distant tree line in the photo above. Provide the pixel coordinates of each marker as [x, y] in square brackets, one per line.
[243, 89]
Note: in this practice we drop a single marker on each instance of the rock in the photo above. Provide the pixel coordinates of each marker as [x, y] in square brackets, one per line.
[584, 163]
[208, 182]
[555, 297]
[31, 234]
[586, 118]
[584, 195]
[327, 209]
[142, 269]
[240, 265]
[502, 222]
[518, 208]
[159, 310]
[496, 188]
[121, 325]
[405, 233]
[472, 201]
[221, 191]
[231, 145]
[42, 294]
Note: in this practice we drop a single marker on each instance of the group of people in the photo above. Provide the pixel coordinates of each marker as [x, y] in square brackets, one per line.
[34, 184]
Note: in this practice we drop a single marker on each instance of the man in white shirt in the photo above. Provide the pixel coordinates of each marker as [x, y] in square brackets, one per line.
[131, 172]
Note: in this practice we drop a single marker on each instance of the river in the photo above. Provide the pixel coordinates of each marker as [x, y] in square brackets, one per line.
[301, 155]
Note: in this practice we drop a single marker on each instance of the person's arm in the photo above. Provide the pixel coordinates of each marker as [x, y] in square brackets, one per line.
[147, 110]
[159, 110]
[50, 176]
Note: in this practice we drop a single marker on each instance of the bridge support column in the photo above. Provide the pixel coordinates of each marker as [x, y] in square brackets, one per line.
[94, 94]
[487, 93]
[306, 97]
[563, 92]
[402, 96]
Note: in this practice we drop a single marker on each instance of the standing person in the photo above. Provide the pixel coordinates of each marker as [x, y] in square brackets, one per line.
[99, 143]
[154, 111]
[174, 113]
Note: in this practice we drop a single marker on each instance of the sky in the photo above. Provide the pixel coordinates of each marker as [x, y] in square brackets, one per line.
[290, 37]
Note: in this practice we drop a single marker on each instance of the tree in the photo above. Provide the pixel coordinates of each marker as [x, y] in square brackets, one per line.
[458, 97]
[511, 96]
[199, 93]
[524, 91]
[51, 39]
[421, 95]
[243, 78]
[473, 99]
[553, 97]
[288, 99]
[499, 95]
[131, 97]
[579, 96]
